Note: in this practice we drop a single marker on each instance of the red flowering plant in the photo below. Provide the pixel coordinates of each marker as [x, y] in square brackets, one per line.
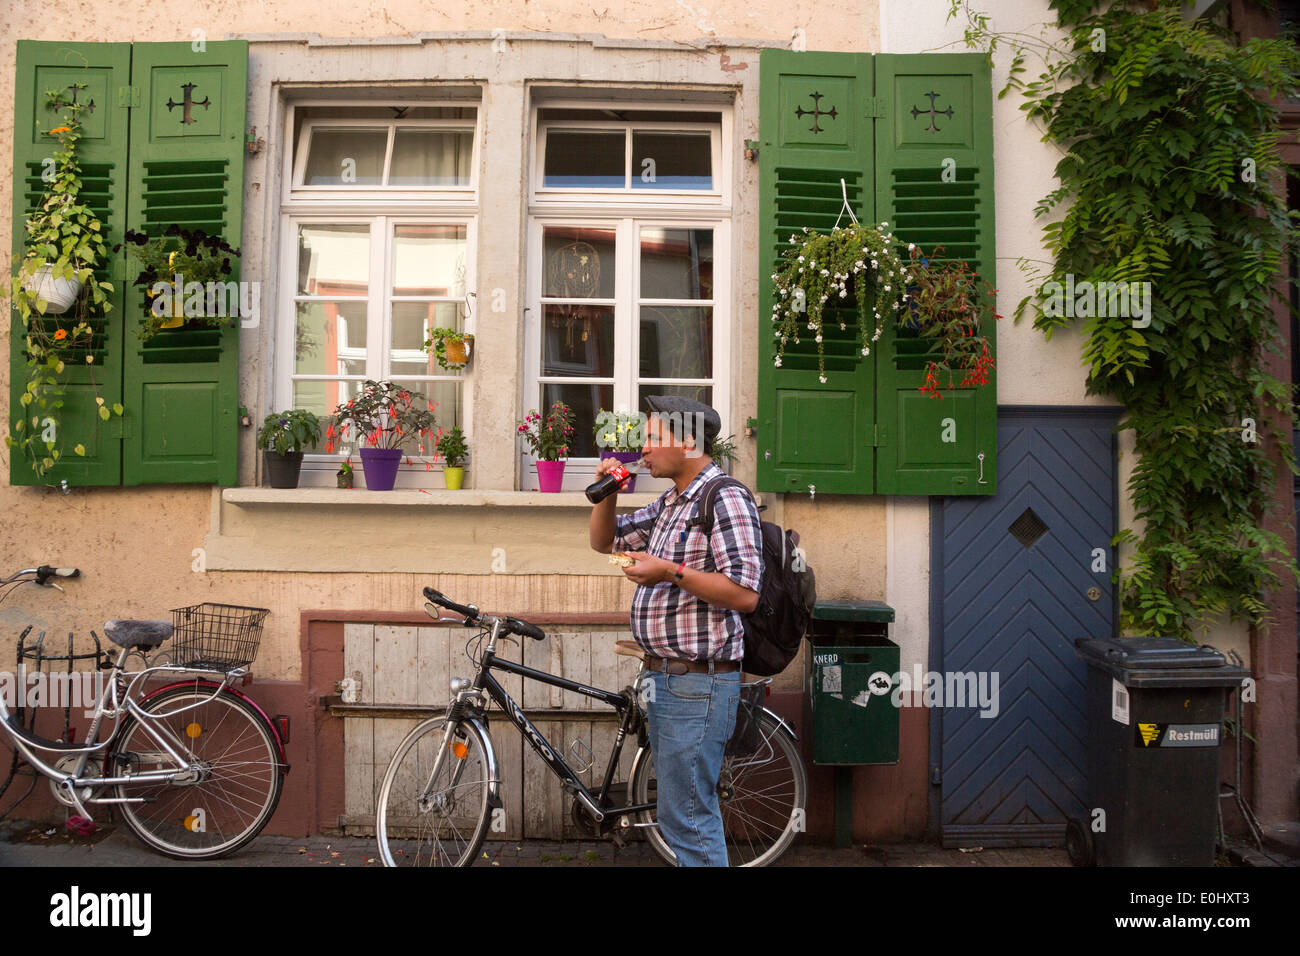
[945, 305]
[383, 415]
[548, 438]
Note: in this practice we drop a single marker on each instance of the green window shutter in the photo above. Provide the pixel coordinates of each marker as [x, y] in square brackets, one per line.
[815, 128]
[937, 115]
[104, 68]
[187, 167]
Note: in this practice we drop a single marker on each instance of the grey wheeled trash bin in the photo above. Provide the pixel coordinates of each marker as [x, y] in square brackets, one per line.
[1155, 725]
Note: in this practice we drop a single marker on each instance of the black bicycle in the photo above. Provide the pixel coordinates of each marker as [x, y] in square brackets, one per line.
[442, 785]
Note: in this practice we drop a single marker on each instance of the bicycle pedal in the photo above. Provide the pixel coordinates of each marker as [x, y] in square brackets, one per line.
[81, 825]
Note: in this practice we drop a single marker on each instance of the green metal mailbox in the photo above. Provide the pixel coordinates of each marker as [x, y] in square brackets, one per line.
[849, 678]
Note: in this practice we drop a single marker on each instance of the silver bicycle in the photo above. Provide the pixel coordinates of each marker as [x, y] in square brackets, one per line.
[195, 766]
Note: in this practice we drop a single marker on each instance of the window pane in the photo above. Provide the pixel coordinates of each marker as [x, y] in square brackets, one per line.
[676, 342]
[330, 338]
[578, 340]
[431, 157]
[700, 393]
[333, 260]
[322, 399]
[578, 263]
[676, 263]
[447, 409]
[346, 156]
[585, 158]
[585, 401]
[412, 322]
[429, 260]
[665, 160]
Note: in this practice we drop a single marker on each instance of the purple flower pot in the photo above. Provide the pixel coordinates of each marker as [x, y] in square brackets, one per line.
[379, 466]
[626, 457]
[550, 475]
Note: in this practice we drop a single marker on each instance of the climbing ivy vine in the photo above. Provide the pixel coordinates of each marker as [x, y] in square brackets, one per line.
[1165, 189]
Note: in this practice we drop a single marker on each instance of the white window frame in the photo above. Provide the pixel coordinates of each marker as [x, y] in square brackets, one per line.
[579, 472]
[319, 469]
[719, 134]
[295, 157]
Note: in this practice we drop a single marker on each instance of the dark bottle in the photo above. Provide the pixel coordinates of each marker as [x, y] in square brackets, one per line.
[610, 483]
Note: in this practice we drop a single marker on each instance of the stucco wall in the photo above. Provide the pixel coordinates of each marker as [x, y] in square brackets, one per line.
[138, 546]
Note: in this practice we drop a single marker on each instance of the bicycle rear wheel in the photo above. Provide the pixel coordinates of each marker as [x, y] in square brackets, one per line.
[423, 818]
[763, 797]
[230, 798]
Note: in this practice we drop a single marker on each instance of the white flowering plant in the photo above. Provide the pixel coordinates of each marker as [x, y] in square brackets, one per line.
[854, 265]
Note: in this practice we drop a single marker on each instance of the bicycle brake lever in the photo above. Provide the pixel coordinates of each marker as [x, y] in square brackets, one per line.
[51, 584]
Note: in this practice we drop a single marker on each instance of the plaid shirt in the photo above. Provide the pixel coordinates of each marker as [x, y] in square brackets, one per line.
[669, 621]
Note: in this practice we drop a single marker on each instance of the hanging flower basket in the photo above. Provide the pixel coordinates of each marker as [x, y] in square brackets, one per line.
[850, 265]
[59, 294]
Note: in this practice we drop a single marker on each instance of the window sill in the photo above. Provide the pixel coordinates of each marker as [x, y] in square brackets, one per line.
[423, 498]
[406, 531]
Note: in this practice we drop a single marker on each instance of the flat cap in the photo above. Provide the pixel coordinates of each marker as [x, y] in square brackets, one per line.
[686, 409]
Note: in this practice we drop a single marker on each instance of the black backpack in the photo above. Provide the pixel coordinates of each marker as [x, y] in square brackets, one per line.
[786, 594]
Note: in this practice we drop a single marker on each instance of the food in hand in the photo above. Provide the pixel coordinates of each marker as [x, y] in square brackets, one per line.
[622, 559]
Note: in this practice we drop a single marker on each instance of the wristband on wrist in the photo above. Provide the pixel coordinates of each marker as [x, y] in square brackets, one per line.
[677, 574]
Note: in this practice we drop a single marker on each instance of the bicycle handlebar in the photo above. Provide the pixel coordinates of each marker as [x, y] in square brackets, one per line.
[471, 614]
[43, 574]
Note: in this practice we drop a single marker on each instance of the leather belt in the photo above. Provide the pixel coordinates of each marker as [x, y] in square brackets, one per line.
[674, 665]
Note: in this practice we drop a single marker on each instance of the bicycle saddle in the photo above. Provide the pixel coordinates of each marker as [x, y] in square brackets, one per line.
[132, 634]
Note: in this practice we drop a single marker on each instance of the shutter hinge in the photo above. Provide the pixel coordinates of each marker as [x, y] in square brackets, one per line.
[128, 96]
[875, 106]
[936, 776]
[751, 427]
[119, 426]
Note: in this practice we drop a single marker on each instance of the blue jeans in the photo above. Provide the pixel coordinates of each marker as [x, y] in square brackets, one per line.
[691, 717]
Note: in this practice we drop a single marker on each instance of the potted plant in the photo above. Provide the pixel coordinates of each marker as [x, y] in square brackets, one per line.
[451, 348]
[453, 448]
[64, 243]
[945, 305]
[344, 474]
[620, 435]
[724, 451]
[174, 262]
[549, 440]
[283, 436]
[822, 267]
[381, 417]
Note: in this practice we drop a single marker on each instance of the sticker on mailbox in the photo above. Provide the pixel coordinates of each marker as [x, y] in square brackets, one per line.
[1176, 735]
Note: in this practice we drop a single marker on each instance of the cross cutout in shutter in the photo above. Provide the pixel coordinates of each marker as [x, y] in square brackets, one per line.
[932, 112]
[816, 113]
[189, 103]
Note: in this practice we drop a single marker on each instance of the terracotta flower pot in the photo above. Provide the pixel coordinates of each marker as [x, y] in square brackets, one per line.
[457, 352]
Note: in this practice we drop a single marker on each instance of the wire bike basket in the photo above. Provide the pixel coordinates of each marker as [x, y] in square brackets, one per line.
[216, 636]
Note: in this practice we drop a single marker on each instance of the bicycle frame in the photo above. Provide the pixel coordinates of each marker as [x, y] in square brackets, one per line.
[109, 705]
[484, 681]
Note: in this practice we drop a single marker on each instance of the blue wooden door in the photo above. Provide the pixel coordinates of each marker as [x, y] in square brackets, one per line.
[1017, 577]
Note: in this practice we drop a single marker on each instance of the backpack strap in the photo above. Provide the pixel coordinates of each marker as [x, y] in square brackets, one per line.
[704, 512]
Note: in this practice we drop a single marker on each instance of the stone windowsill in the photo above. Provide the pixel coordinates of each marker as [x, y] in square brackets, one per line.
[421, 498]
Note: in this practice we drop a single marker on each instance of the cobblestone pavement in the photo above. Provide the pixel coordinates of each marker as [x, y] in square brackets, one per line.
[27, 845]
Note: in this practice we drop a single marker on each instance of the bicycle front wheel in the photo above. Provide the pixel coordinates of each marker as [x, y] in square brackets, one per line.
[433, 805]
[228, 796]
[763, 798]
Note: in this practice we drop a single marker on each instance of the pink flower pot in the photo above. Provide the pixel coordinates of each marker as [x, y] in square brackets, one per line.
[550, 475]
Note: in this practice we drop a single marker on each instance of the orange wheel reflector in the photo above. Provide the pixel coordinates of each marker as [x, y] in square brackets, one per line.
[190, 821]
[460, 749]
[193, 731]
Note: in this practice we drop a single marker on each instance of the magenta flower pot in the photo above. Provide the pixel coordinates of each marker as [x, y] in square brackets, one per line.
[626, 457]
[550, 475]
[379, 467]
